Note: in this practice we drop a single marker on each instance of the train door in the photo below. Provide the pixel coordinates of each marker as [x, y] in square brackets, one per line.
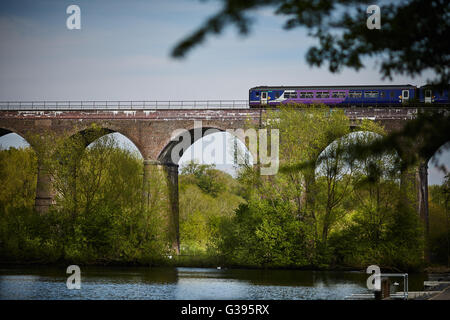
[428, 94]
[405, 96]
[264, 97]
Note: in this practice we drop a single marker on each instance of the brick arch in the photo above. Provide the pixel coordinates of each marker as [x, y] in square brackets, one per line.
[354, 129]
[164, 155]
[387, 125]
[435, 148]
[4, 131]
[104, 129]
[40, 181]
[424, 166]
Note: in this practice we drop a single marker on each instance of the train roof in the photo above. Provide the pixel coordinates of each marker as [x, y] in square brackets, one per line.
[332, 87]
[428, 85]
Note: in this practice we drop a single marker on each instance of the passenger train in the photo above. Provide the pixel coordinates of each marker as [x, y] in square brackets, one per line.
[384, 95]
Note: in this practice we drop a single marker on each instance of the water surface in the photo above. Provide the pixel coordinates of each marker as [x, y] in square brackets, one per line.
[185, 283]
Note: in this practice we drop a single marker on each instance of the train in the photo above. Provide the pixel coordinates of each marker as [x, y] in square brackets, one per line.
[351, 96]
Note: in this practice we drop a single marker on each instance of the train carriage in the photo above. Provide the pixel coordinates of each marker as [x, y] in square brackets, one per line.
[334, 95]
[429, 95]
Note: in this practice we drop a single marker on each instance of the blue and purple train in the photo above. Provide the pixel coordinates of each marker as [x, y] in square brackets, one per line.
[385, 95]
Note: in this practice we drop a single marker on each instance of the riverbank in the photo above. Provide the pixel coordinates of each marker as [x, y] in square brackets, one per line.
[178, 264]
[438, 269]
[183, 261]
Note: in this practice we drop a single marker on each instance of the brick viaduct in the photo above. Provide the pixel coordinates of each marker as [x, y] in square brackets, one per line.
[151, 130]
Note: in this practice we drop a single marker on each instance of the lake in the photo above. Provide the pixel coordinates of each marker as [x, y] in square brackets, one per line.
[185, 283]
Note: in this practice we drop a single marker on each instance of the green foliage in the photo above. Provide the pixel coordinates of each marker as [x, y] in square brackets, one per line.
[99, 215]
[18, 178]
[439, 202]
[325, 208]
[208, 180]
[206, 196]
[263, 234]
[350, 211]
[396, 243]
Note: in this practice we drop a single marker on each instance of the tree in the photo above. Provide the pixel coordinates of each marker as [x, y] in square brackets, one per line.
[18, 176]
[206, 177]
[98, 216]
[410, 41]
[336, 171]
[305, 131]
[439, 202]
[208, 197]
[264, 233]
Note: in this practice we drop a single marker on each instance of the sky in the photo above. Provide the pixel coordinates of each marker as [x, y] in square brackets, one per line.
[122, 52]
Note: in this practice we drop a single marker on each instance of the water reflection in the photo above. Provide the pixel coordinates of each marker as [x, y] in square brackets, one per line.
[184, 283]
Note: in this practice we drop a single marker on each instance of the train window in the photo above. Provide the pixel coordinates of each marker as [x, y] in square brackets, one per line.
[338, 94]
[371, 94]
[392, 93]
[290, 94]
[306, 94]
[322, 94]
[355, 94]
[257, 94]
[428, 93]
[382, 94]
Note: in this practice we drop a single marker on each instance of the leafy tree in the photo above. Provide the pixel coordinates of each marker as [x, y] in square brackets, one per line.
[439, 201]
[205, 177]
[103, 221]
[354, 214]
[305, 132]
[336, 179]
[206, 196]
[303, 136]
[18, 175]
[263, 234]
[410, 41]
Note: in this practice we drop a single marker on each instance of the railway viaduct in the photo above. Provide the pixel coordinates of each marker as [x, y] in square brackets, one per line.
[150, 129]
